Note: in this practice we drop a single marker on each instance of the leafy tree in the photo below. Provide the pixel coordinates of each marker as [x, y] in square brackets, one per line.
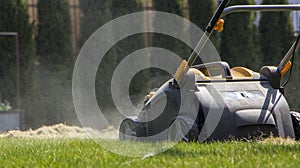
[238, 45]
[167, 42]
[54, 39]
[14, 18]
[276, 34]
[170, 6]
[129, 45]
[55, 53]
[119, 7]
[200, 14]
[95, 14]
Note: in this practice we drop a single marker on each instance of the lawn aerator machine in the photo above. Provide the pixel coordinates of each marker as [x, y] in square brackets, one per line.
[212, 101]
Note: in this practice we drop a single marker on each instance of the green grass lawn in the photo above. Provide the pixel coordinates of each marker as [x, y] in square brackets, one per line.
[30, 152]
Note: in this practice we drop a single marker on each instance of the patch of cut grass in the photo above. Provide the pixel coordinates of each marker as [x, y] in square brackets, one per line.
[30, 152]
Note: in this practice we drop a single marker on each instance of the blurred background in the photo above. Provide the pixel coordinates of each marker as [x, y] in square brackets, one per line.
[37, 56]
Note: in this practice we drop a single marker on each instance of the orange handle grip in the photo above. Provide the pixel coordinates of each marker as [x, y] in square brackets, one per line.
[286, 68]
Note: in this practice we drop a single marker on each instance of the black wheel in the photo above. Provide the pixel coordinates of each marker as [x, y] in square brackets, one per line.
[183, 129]
[296, 123]
[127, 130]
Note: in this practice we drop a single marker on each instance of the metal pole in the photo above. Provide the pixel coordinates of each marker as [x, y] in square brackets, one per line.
[267, 8]
[207, 33]
[262, 8]
[288, 56]
[8, 33]
[221, 12]
[21, 112]
[18, 72]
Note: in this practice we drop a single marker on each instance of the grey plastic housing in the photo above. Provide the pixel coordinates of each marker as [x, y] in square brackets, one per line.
[222, 109]
[272, 74]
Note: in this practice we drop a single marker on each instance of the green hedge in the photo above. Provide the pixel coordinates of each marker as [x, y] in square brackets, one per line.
[130, 44]
[200, 14]
[54, 70]
[238, 40]
[95, 13]
[54, 38]
[276, 33]
[167, 42]
[14, 18]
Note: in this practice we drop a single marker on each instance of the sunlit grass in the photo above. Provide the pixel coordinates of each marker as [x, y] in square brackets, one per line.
[30, 152]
